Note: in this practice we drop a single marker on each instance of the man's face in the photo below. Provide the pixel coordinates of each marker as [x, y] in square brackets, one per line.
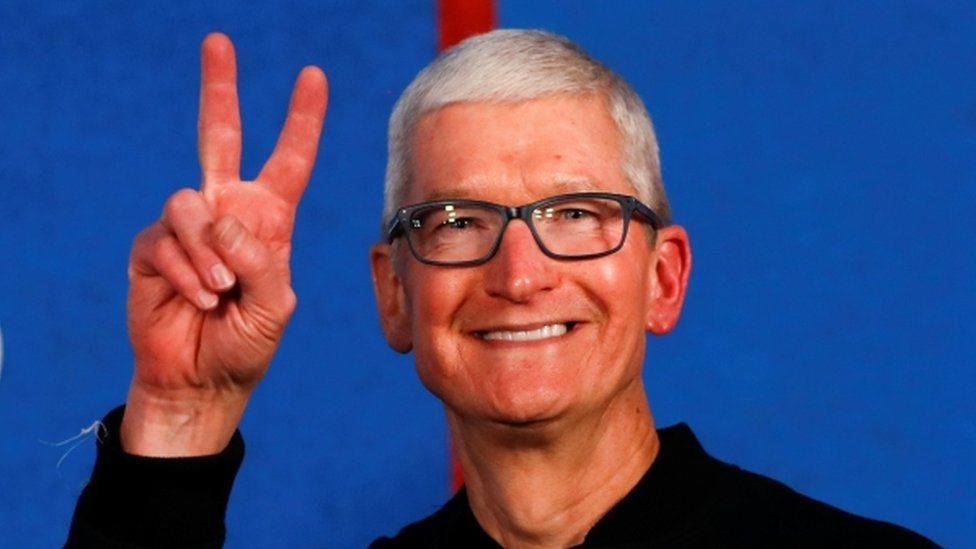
[514, 153]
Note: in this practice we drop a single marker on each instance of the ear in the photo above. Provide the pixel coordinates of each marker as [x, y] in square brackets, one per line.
[669, 279]
[391, 301]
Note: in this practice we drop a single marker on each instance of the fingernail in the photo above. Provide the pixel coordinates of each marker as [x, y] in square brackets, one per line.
[221, 276]
[231, 233]
[206, 299]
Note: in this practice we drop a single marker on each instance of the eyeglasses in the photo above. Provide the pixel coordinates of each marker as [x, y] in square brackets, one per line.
[464, 232]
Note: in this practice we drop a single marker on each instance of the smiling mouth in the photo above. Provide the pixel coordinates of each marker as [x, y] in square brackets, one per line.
[544, 332]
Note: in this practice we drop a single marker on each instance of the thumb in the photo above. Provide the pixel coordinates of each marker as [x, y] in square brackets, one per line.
[261, 282]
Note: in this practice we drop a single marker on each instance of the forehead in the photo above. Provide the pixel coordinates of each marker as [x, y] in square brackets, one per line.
[516, 152]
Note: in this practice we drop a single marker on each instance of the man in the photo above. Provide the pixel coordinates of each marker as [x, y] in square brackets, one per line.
[527, 249]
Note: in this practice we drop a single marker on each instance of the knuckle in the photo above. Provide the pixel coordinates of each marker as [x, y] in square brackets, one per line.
[186, 282]
[160, 249]
[289, 164]
[289, 301]
[143, 242]
[168, 259]
[140, 240]
[297, 160]
[253, 255]
[222, 133]
[179, 202]
[178, 273]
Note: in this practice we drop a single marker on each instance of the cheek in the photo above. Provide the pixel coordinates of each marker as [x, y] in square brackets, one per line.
[434, 297]
[621, 288]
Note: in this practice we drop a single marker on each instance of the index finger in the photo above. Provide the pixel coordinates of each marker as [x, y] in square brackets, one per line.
[219, 123]
[287, 170]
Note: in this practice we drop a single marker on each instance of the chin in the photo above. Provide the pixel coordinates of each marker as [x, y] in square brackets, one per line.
[526, 407]
[522, 391]
[494, 404]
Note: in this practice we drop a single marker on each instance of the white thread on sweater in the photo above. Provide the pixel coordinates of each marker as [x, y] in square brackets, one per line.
[96, 430]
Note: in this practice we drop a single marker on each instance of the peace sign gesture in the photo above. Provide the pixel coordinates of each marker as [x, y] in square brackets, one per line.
[210, 283]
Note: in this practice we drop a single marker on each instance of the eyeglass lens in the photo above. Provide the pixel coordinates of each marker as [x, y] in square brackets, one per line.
[573, 227]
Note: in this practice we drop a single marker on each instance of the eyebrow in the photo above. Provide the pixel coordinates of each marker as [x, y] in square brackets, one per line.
[562, 183]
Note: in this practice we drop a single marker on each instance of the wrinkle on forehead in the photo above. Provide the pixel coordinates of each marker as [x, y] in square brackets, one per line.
[475, 188]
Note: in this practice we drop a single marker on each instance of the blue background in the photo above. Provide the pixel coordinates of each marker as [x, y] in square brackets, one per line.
[821, 156]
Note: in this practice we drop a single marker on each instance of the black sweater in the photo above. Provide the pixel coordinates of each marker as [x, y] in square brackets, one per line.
[686, 499]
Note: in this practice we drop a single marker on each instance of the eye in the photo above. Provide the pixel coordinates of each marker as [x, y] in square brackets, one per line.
[458, 223]
[453, 221]
[574, 214]
[568, 213]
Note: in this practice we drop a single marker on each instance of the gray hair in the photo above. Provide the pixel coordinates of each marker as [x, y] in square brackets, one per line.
[519, 65]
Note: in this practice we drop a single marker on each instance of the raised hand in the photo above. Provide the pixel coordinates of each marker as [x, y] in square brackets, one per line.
[210, 283]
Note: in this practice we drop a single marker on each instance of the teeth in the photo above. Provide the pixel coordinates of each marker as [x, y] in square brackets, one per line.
[553, 330]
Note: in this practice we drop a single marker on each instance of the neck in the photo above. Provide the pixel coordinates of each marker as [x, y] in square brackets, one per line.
[547, 485]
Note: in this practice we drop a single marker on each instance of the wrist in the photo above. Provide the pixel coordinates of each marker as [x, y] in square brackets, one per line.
[199, 423]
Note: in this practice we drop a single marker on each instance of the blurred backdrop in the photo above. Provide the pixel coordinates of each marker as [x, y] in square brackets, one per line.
[821, 155]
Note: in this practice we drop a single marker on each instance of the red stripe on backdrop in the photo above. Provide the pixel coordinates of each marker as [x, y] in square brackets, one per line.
[457, 20]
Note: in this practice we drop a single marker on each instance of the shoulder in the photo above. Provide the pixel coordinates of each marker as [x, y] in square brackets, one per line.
[760, 510]
[707, 502]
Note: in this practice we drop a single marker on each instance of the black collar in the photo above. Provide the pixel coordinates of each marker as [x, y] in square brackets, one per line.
[674, 490]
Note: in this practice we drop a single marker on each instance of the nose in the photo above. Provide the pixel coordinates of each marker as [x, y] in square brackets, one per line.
[519, 270]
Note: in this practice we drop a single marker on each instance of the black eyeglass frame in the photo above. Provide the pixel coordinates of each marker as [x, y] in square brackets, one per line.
[629, 205]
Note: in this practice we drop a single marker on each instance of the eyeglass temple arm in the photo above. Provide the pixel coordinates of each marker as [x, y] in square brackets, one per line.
[648, 214]
[394, 229]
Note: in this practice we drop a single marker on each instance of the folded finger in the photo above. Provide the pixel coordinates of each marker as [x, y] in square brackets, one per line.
[263, 283]
[188, 216]
[157, 252]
